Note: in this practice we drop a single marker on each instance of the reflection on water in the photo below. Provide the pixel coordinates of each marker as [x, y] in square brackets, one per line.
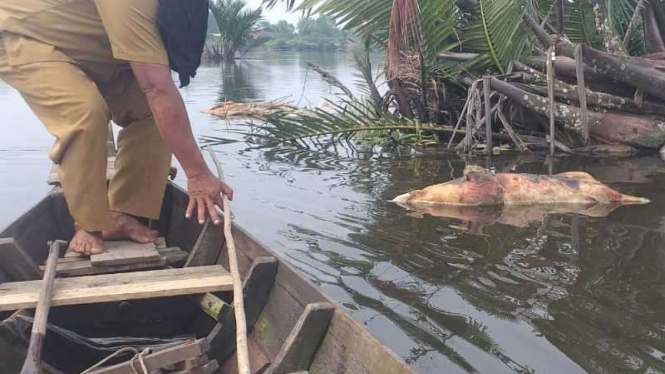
[568, 293]
[581, 293]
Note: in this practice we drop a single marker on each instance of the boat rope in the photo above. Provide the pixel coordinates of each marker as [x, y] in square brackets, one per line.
[137, 355]
[140, 358]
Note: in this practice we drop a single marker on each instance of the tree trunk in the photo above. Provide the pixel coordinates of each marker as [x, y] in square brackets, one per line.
[565, 69]
[403, 104]
[597, 99]
[637, 72]
[653, 34]
[230, 57]
[569, 92]
[637, 131]
[611, 40]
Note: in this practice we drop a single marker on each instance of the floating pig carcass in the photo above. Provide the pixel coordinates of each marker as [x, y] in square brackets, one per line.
[480, 187]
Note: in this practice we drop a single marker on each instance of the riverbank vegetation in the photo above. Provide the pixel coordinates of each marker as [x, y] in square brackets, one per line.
[234, 30]
[231, 30]
[311, 34]
[478, 74]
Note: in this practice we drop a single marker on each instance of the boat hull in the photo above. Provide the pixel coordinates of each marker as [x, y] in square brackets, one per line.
[277, 306]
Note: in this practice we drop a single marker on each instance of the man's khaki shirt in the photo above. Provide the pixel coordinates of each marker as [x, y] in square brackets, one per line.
[103, 31]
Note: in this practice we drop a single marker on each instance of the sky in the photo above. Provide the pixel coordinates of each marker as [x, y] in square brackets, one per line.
[277, 13]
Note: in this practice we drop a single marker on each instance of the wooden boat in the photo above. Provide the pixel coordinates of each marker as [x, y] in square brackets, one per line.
[293, 326]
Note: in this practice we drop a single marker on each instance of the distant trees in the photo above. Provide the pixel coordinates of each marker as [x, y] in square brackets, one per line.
[312, 34]
[236, 26]
[323, 26]
[284, 29]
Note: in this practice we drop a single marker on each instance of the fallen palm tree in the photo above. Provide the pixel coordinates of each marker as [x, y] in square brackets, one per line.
[571, 76]
[259, 110]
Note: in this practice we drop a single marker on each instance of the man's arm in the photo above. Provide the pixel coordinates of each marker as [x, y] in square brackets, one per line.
[173, 123]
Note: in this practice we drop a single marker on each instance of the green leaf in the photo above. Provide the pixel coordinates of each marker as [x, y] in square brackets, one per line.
[498, 33]
[578, 19]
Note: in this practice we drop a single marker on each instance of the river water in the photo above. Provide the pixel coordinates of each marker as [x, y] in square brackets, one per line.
[453, 292]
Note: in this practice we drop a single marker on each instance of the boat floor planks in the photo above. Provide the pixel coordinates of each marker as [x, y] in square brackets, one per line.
[118, 287]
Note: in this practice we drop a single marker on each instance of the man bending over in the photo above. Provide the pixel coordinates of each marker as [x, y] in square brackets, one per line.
[81, 63]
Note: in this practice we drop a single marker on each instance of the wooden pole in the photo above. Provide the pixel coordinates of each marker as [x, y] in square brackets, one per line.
[32, 364]
[559, 18]
[238, 297]
[581, 87]
[550, 91]
[488, 114]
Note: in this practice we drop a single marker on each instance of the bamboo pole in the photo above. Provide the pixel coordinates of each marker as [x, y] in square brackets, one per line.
[238, 297]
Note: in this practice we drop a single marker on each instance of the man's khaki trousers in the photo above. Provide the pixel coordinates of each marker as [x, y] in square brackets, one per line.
[75, 100]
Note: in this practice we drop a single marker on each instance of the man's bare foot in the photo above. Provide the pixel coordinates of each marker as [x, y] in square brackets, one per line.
[87, 243]
[128, 227]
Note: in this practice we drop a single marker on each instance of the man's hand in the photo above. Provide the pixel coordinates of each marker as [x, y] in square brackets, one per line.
[173, 124]
[204, 193]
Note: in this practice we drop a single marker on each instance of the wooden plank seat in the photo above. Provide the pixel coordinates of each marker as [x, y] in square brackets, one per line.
[80, 266]
[124, 253]
[120, 256]
[118, 287]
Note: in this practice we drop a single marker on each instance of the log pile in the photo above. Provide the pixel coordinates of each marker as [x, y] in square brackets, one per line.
[593, 97]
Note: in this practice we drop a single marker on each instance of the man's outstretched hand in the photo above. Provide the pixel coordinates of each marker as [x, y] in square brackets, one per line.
[204, 193]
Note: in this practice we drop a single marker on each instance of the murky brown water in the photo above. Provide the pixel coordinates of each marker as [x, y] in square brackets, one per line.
[481, 293]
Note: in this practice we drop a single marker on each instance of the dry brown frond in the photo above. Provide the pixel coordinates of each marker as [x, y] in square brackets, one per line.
[405, 14]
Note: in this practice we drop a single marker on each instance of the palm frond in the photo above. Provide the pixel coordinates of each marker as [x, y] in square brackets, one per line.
[439, 20]
[345, 118]
[579, 21]
[620, 13]
[360, 52]
[331, 80]
[290, 4]
[365, 17]
[498, 33]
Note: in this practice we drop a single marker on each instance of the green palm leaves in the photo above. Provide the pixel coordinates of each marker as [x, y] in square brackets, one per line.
[497, 32]
[235, 24]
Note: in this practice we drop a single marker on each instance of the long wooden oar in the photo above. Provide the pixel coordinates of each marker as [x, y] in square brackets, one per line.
[33, 359]
[238, 298]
